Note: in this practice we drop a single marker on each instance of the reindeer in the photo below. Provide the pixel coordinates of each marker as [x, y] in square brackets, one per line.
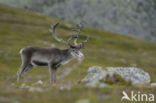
[50, 57]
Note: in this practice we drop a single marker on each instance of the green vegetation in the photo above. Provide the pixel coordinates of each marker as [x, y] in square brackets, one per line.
[117, 79]
[19, 28]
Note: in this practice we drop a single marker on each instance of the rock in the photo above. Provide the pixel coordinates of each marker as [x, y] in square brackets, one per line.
[132, 74]
[93, 83]
[95, 73]
[39, 82]
[153, 84]
[23, 86]
[103, 85]
[35, 89]
[96, 83]
[63, 87]
[99, 77]
[83, 101]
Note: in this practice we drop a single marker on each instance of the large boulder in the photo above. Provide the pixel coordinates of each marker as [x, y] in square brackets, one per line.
[98, 76]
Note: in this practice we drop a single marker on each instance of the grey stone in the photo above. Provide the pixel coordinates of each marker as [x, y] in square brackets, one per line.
[103, 85]
[97, 75]
[83, 101]
[132, 74]
[153, 84]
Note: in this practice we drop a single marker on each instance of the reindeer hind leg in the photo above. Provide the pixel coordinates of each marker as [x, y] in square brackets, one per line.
[25, 63]
[27, 69]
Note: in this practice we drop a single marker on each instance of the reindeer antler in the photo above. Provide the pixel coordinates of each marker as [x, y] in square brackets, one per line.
[53, 27]
[81, 45]
[54, 34]
[80, 27]
[75, 37]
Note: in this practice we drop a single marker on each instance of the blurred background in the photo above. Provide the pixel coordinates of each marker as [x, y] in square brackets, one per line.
[135, 18]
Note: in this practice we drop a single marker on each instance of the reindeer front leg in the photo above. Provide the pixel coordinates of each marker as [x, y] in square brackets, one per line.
[52, 71]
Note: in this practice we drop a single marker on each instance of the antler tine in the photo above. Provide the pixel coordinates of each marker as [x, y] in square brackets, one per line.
[71, 38]
[85, 41]
[75, 42]
[81, 45]
[80, 26]
[54, 34]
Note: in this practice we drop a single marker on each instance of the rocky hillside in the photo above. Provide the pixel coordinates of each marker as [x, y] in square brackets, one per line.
[128, 17]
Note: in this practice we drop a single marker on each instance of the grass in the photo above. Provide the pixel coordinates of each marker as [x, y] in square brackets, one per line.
[20, 28]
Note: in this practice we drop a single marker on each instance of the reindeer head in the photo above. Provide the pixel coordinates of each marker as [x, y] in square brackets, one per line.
[73, 49]
[75, 52]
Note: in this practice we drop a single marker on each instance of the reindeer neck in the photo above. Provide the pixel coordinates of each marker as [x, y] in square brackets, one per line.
[66, 55]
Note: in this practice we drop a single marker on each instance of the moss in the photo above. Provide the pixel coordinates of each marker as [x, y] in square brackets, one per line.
[116, 79]
[120, 80]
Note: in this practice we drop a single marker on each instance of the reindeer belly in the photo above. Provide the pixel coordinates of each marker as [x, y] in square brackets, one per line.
[39, 62]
